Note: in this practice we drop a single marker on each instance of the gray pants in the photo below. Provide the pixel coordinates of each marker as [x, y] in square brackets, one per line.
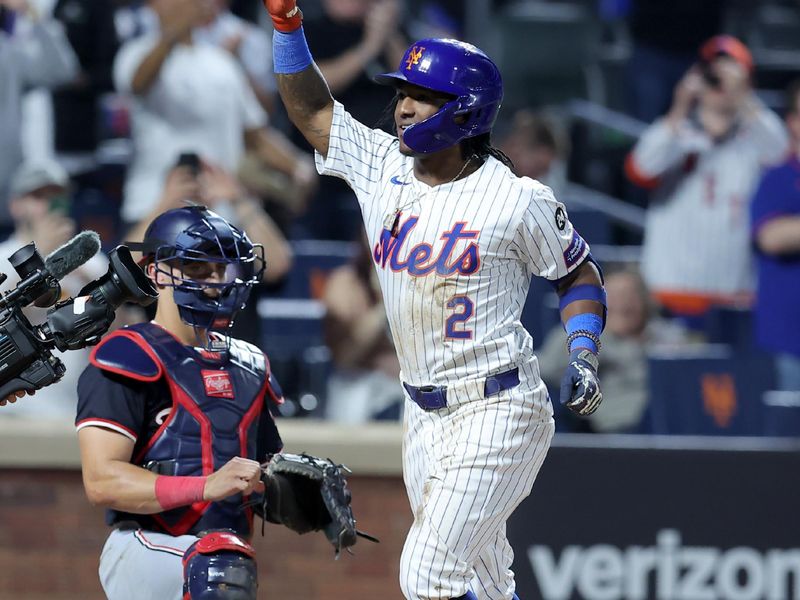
[142, 565]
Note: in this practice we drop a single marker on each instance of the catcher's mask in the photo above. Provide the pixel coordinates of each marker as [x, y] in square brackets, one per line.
[460, 70]
[210, 264]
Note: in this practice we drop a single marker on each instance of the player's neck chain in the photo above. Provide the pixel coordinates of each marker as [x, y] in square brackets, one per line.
[392, 221]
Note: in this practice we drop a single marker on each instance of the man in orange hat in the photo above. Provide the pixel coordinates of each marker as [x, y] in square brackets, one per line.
[701, 162]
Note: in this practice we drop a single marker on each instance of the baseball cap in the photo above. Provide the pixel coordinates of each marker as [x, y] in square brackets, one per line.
[34, 175]
[727, 45]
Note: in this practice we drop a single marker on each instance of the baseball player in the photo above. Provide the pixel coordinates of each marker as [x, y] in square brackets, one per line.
[172, 421]
[455, 238]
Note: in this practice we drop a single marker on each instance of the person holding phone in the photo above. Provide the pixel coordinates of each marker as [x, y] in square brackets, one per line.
[189, 95]
[701, 162]
[193, 180]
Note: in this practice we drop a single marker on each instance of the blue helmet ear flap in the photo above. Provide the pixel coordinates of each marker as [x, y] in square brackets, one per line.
[442, 129]
[435, 133]
[460, 70]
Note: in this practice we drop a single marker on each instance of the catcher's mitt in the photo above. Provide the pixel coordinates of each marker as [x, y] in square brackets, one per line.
[306, 493]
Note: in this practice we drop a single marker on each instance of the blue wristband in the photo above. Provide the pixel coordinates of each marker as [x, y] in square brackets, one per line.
[583, 292]
[290, 52]
[590, 323]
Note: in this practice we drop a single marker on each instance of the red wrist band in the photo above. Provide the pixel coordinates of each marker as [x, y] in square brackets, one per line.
[172, 492]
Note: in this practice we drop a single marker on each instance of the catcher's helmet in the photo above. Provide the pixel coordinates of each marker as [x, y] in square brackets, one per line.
[186, 236]
[455, 68]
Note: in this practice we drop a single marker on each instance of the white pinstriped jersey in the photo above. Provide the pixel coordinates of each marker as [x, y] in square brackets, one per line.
[697, 236]
[455, 277]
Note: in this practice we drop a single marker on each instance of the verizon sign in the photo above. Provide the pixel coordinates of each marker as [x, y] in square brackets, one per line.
[666, 571]
[638, 523]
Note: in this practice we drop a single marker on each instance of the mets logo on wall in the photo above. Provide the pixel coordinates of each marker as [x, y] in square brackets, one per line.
[413, 56]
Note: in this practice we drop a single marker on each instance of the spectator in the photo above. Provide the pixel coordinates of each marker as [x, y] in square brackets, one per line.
[351, 40]
[195, 182]
[191, 96]
[206, 184]
[250, 45]
[364, 384]
[39, 209]
[536, 149]
[775, 215]
[702, 161]
[631, 330]
[40, 56]
[283, 199]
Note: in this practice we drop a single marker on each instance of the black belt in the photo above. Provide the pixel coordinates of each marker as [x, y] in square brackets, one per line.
[127, 525]
[431, 397]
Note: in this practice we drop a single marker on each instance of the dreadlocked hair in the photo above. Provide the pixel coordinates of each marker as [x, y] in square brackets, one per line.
[481, 146]
[386, 120]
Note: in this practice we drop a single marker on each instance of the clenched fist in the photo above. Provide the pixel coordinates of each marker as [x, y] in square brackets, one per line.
[285, 15]
[580, 387]
[238, 476]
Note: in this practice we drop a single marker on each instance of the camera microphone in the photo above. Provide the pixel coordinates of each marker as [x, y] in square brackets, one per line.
[39, 279]
[57, 265]
[73, 254]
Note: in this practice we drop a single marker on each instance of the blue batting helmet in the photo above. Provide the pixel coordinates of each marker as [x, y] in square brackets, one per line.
[455, 68]
[193, 237]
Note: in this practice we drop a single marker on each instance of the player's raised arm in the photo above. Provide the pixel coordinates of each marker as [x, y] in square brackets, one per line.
[303, 89]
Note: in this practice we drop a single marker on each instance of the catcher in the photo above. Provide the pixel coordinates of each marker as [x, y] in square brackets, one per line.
[173, 425]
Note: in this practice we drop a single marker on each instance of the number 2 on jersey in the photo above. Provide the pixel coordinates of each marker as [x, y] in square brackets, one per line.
[464, 309]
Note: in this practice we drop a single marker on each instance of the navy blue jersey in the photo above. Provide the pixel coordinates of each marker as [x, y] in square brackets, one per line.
[133, 408]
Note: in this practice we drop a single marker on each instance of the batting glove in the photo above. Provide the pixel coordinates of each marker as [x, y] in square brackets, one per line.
[285, 15]
[580, 386]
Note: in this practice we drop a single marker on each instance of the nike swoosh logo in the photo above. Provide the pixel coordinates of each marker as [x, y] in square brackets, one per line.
[396, 181]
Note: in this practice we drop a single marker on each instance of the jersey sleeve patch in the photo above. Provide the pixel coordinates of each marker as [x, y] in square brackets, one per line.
[123, 353]
[575, 251]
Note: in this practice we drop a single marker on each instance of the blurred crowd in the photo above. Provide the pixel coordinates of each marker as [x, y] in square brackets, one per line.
[112, 112]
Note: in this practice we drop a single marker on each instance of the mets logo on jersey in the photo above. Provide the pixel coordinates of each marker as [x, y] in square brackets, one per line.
[218, 384]
[420, 260]
[413, 56]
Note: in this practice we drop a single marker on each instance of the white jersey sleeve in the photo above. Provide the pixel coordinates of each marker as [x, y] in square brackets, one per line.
[355, 153]
[546, 240]
[663, 147]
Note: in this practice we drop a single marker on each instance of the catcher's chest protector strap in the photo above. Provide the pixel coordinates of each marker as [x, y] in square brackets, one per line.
[220, 566]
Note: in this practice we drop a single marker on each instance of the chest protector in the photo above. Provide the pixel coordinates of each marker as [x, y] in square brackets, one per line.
[216, 405]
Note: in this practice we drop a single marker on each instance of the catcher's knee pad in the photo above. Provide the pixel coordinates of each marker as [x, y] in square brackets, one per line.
[219, 566]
